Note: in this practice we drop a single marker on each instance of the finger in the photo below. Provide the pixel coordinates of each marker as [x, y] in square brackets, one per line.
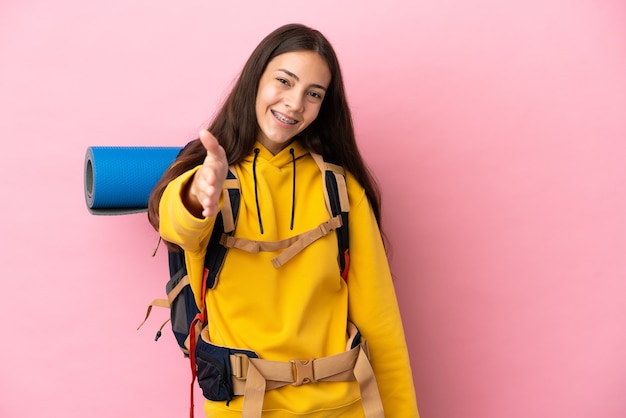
[210, 202]
[206, 188]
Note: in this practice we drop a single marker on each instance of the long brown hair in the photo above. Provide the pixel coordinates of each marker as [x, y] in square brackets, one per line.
[235, 125]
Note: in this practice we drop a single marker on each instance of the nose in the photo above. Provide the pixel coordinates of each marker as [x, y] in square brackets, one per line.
[295, 101]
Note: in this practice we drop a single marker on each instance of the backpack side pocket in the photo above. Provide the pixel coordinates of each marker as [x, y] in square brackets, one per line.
[214, 370]
[183, 307]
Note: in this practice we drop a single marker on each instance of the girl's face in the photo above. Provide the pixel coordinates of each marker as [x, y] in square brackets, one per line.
[290, 94]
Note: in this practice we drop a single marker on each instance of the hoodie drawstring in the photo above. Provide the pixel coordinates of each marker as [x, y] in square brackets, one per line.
[256, 190]
[293, 189]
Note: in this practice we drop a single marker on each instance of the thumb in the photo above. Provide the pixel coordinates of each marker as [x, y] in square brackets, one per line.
[209, 141]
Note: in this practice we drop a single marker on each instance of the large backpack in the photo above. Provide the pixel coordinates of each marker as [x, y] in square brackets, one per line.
[214, 366]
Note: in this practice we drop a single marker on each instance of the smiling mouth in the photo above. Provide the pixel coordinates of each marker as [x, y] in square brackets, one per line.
[283, 118]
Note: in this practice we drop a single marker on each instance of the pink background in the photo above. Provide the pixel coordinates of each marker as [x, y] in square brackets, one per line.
[496, 129]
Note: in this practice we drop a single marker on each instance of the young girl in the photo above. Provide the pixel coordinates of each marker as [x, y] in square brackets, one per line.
[288, 104]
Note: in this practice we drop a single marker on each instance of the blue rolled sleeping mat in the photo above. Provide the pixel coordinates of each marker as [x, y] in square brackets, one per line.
[118, 180]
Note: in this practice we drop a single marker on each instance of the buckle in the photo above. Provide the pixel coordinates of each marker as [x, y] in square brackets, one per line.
[303, 372]
[239, 364]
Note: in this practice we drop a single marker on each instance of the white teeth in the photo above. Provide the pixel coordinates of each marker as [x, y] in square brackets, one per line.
[284, 119]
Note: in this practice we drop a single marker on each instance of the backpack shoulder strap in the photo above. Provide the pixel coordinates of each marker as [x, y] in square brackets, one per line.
[337, 203]
[224, 224]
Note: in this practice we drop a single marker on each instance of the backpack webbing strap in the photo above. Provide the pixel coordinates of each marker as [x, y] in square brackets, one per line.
[252, 377]
[231, 185]
[370, 396]
[291, 246]
[166, 303]
[307, 238]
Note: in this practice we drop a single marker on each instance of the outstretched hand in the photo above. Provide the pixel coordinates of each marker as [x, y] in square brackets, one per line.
[206, 187]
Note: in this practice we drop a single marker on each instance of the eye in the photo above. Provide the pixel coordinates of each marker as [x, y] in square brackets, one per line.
[315, 95]
[283, 81]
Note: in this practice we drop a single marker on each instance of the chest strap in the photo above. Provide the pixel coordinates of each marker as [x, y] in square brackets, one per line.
[291, 246]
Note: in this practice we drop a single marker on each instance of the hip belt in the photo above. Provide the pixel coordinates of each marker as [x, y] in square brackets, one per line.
[251, 376]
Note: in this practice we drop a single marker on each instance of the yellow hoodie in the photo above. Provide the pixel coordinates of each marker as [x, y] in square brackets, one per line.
[300, 310]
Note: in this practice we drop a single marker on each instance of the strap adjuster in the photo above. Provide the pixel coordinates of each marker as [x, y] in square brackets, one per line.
[303, 372]
[239, 365]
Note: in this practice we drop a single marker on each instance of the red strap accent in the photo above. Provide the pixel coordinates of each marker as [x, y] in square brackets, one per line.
[346, 257]
[200, 317]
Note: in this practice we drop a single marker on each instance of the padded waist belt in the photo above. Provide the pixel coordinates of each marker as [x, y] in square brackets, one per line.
[252, 377]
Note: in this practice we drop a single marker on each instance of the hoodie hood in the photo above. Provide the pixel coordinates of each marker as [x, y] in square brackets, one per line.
[280, 160]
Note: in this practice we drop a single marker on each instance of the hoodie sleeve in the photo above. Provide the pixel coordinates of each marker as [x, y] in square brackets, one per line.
[177, 225]
[374, 308]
